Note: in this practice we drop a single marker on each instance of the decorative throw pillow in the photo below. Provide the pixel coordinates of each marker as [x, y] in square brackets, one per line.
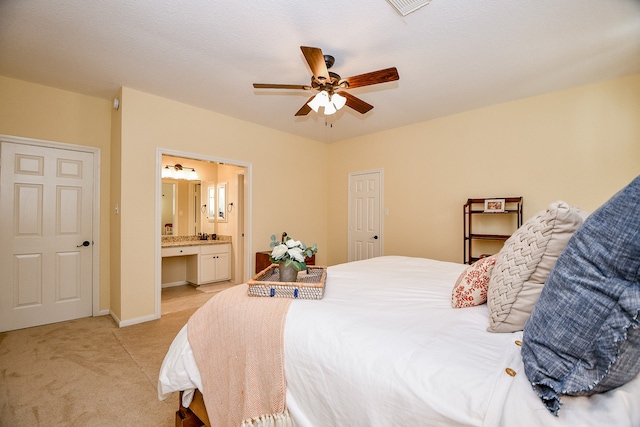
[583, 336]
[524, 263]
[471, 287]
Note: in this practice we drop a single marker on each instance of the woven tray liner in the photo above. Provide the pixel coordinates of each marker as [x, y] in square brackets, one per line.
[308, 286]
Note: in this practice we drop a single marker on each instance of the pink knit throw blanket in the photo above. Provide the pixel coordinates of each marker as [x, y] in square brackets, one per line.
[238, 345]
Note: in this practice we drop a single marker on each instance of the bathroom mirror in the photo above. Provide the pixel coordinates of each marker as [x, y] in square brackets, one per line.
[181, 208]
[169, 221]
[222, 202]
[200, 203]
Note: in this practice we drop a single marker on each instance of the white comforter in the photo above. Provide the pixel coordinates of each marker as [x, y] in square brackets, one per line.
[384, 347]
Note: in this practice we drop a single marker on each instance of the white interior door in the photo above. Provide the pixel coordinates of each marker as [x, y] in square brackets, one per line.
[365, 206]
[46, 255]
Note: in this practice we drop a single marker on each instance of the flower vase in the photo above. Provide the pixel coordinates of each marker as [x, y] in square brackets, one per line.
[287, 273]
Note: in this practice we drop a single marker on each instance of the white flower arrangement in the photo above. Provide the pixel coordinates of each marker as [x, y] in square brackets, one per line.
[291, 252]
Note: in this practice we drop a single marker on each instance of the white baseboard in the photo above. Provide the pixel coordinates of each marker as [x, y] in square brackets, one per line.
[114, 317]
[172, 284]
[123, 323]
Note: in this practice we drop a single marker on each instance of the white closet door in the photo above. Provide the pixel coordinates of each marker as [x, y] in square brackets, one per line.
[46, 255]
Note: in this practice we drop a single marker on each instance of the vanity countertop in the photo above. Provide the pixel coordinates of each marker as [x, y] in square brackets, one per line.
[193, 243]
[178, 241]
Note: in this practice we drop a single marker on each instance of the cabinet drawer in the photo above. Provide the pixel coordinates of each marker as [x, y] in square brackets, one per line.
[180, 251]
[214, 249]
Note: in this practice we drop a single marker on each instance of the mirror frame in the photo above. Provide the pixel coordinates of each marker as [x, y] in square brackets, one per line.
[221, 202]
[174, 211]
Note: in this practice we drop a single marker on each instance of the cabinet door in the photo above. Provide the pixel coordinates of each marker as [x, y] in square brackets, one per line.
[207, 268]
[223, 266]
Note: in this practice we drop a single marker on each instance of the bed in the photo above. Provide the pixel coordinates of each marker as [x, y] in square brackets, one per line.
[385, 347]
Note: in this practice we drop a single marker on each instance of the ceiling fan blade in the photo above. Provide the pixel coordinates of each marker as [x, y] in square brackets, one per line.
[356, 103]
[305, 108]
[375, 77]
[315, 59]
[278, 86]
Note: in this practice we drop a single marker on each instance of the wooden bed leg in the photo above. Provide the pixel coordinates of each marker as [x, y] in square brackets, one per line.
[186, 418]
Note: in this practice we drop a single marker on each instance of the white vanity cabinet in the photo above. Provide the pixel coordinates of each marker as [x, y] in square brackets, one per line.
[215, 263]
[197, 264]
[180, 251]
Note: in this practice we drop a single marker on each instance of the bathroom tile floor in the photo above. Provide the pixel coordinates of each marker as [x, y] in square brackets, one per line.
[183, 297]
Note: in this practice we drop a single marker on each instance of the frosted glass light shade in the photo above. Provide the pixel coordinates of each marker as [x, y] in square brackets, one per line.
[329, 109]
[320, 100]
[331, 103]
[338, 100]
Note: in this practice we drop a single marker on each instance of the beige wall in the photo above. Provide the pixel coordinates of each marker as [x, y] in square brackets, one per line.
[579, 145]
[283, 167]
[40, 112]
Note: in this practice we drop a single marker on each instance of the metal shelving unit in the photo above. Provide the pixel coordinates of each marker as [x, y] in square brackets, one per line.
[476, 207]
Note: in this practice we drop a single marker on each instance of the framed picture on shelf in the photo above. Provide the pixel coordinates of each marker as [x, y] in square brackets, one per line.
[494, 205]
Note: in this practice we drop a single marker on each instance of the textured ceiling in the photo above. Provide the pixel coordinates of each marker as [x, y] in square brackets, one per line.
[452, 55]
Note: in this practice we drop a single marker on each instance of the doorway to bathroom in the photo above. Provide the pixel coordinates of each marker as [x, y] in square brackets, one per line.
[214, 201]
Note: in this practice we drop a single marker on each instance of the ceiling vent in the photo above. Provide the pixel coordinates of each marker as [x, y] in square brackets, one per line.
[405, 7]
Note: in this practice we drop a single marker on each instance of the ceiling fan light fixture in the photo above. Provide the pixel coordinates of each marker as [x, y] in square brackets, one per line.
[327, 83]
[329, 109]
[320, 100]
[338, 100]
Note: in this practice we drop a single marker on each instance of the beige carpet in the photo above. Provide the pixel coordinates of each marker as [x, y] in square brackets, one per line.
[147, 343]
[75, 373]
[89, 372]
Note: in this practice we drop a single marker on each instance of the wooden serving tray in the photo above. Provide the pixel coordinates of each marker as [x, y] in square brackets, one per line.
[310, 284]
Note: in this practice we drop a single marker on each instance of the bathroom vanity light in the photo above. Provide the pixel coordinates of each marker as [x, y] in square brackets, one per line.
[179, 172]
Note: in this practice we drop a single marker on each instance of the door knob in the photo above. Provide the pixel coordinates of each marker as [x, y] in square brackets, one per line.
[85, 243]
[375, 237]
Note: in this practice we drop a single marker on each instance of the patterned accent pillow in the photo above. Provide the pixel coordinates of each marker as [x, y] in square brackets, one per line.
[583, 336]
[524, 263]
[471, 287]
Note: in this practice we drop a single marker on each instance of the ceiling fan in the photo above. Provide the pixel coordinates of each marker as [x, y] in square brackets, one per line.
[331, 87]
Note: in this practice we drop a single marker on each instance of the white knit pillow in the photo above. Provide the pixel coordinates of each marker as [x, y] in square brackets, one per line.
[525, 262]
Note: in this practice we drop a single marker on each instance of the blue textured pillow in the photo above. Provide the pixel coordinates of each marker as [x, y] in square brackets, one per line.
[583, 336]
